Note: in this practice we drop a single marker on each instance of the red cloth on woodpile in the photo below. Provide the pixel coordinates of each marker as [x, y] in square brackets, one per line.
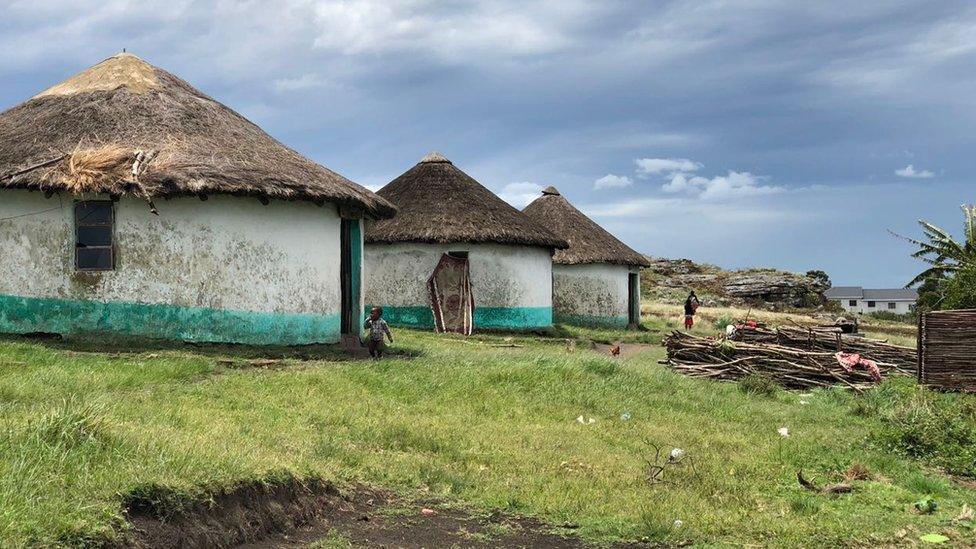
[849, 361]
[451, 298]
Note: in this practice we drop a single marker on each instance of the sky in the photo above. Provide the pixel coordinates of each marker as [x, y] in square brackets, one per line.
[754, 133]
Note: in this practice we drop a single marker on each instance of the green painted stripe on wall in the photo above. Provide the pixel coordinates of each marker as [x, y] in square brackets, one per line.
[24, 315]
[592, 321]
[490, 318]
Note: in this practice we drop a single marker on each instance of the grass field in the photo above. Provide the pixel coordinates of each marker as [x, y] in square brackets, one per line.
[488, 422]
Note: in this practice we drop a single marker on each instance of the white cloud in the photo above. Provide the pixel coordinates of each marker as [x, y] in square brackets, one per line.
[732, 185]
[911, 172]
[303, 82]
[519, 194]
[611, 181]
[650, 166]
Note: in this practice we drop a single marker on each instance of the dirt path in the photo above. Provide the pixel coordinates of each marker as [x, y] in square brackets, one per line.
[627, 350]
[371, 518]
[296, 513]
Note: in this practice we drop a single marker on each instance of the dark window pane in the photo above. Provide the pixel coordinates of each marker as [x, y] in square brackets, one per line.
[93, 213]
[94, 236]
[95, 259]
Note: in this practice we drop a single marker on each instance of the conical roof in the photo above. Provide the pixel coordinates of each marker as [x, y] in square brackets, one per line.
[588, 241]
[438, 203]
[125, 126]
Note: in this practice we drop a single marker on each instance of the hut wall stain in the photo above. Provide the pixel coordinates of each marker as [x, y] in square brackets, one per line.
[591, 294]
[228, 269]
[512, 285]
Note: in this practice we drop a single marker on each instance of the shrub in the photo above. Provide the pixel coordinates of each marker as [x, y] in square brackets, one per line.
[960, 290]
[893, 317]
[925, 424]
[758, 384]
[723, 321]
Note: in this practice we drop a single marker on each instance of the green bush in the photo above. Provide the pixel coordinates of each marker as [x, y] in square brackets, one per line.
[909, 318]
[758, 384]
[918, 422]
[960, 290]
[723, 321]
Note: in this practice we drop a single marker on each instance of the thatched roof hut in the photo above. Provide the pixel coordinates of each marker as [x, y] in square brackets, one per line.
[439, 203]
[506, 257]
[596, 280]
[588, 241]
[127, 127]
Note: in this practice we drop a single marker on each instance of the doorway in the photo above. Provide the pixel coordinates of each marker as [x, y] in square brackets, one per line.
[350, 275]
[633, 299]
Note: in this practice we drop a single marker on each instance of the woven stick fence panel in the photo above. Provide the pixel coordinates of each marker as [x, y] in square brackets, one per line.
[947, 350]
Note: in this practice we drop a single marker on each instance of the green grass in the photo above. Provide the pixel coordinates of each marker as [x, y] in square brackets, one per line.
[462, 419]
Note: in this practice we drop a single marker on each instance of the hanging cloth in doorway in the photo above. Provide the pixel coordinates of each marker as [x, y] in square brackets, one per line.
[450, 296]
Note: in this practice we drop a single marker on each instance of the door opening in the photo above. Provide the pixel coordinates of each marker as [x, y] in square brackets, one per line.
[633, 299]
[350, 275]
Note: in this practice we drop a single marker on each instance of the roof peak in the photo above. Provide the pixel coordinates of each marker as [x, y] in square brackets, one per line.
[550, 190]
[433, 157]
[123, 70]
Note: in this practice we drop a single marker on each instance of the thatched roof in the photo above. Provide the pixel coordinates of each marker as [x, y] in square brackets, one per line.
[438, 203]
[588, 242]
[125, 126]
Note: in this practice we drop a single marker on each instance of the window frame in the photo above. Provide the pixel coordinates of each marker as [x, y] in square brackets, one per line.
[852, 303]
[80, 224]
[459, 254]
[892, 305]
[871, 304]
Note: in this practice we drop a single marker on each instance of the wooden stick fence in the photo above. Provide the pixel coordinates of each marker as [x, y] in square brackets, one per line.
[947, 349]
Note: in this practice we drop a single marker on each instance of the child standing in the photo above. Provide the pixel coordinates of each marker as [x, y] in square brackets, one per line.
[378, 328]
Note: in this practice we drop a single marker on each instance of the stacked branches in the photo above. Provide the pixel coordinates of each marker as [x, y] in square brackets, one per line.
[790, 367]
[830, 339]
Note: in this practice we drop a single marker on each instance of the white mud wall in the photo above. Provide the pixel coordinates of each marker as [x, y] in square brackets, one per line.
[225, 253]
[502, 276]
[596, 291]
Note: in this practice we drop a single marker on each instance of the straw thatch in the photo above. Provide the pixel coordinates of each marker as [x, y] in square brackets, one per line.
[438, 203]
[588, 241]
[125, 126]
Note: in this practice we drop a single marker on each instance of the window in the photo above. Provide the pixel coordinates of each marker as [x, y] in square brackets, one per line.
[458, 254]
[892, 305]
[870, 304]
[852, 303]
[94, 240]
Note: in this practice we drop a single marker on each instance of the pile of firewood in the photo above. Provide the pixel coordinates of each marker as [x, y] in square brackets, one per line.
[790, 367]
[830, 339]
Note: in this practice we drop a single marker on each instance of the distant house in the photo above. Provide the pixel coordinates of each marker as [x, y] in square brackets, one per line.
[860, 300]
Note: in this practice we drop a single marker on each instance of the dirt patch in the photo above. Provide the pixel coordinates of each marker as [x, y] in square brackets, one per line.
[292, 513]
[627, 350]
[246, 512]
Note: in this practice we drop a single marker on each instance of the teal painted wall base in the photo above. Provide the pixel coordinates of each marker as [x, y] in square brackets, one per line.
[486, 318]
[592, 321]
[24, 315]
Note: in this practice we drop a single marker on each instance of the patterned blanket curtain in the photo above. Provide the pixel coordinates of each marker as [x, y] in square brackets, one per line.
[450, 296]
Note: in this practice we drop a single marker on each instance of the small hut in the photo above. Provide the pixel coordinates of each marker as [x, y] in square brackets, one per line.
[449, 223]
[596, 280]
[132, 203]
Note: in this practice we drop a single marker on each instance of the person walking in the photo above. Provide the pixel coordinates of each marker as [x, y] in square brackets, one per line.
[691, 307]
[378, 328]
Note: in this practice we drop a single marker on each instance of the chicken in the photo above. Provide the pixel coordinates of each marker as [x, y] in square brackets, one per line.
[615, 351]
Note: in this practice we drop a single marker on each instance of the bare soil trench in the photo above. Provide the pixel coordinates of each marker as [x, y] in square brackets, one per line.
[295, 513]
